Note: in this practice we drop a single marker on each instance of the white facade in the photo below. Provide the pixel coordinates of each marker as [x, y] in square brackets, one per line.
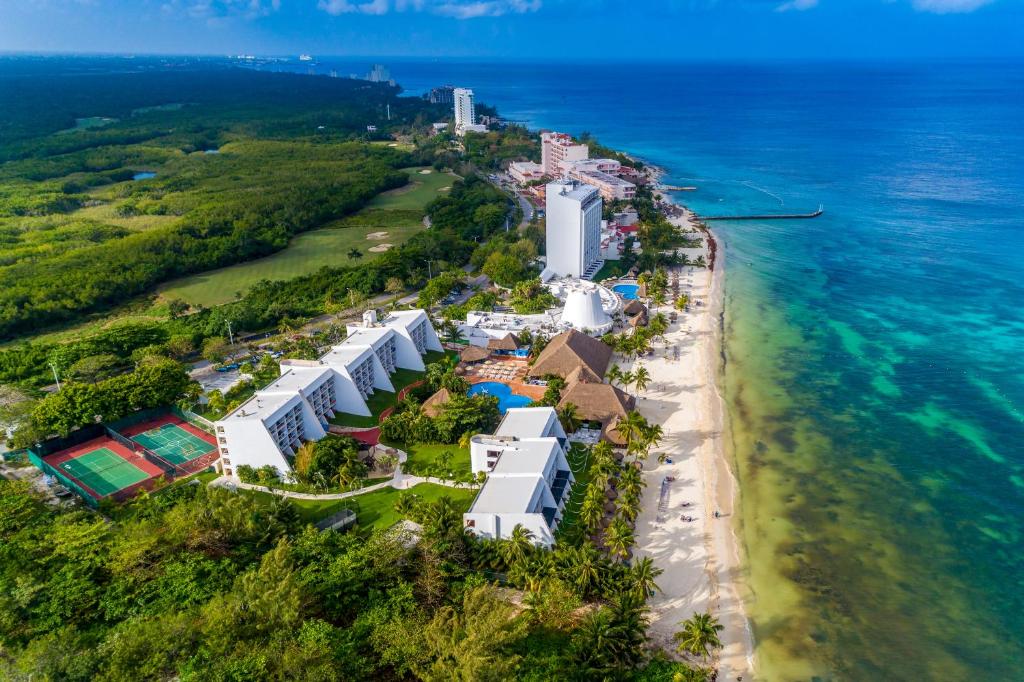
[573, 233]
[269, 427]
[557, 149]
[524, 172]
[465, 112]
[528, 476]
[601, 173]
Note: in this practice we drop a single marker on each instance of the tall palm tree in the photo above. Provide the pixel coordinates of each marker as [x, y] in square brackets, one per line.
[698, 635]
[618, 538]
[652, 436]
[614, 373]
[518, 546]
[592, 507]
[631, 428]
[583, 568]
[569, 415]
[642, 575]
[641, 378]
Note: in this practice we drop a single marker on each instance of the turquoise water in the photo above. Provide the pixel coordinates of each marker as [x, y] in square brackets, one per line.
[627, 291]
[875, 355]
[506, 398]
[143, 175]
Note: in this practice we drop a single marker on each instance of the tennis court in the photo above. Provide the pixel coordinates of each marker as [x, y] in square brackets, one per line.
[103, 471]
[173, 443]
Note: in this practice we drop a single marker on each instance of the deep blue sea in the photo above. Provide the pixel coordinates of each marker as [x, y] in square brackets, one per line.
[875, 355]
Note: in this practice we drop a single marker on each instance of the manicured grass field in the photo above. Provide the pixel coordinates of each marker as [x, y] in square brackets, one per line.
[398, 212]
[426, 458]
[611, 268]
[420, 191]
[374, 510]
[579, 462]
[377, 509]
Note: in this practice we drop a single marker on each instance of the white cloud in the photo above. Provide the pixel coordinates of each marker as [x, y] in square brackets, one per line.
[337, 7]
[220, 9]
[459, 9]
[797, 5]
[949, 6]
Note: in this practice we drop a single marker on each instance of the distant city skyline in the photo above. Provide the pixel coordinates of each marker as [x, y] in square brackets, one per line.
[536, 29]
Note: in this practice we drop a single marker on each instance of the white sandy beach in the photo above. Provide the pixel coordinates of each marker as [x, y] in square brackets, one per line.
[700, 558]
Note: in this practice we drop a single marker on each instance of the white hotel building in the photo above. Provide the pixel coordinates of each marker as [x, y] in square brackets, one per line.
[528, 476]
[465, 112]
[558, 149]
[573, 233]
[268, 428]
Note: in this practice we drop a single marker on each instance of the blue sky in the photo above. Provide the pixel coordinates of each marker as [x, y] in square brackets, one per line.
[580, 29]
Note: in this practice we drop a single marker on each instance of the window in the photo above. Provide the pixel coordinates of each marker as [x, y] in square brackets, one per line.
[222, 440]
[220, 429]
[470, 523]
[224, 451]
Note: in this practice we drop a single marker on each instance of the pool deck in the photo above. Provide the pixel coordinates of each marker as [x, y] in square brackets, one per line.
[475, 374]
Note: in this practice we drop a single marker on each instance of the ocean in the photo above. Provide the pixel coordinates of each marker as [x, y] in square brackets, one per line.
[874, 373]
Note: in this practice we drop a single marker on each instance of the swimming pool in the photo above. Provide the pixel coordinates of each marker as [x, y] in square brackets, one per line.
[506, 398]
[144, 175]
[627, 291]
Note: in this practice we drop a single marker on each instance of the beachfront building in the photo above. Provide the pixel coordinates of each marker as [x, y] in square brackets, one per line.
[528, 476]
[557, 149]
[611, 186]
[268, 428]
[570, 351]
[465, 112]
[525, 172]
[573, 230]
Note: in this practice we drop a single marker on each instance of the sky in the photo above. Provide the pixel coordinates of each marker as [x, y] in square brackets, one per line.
[533, 29]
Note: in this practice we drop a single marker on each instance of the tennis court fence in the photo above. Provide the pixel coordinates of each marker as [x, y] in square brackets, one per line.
[34, 457]
[146, 454]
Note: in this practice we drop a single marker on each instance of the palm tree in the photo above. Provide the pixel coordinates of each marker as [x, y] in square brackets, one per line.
[699, 634]
[614, 373]
[618, 538]
[570, 417]
[592, 507]
[642, 575]
[355, 253]
[518, 545]
[641, 378]
[583, 568]
[631, 428]
[652, 436]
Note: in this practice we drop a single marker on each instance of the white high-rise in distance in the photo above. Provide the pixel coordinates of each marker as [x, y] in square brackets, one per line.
[573, 230]
[465, 112]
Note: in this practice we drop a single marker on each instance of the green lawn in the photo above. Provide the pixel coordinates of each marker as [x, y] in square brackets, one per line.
[376, 509]
[579, 488]
[424, 459]
[420, 191]
[611, 268]
[305, 254]
[379, 401]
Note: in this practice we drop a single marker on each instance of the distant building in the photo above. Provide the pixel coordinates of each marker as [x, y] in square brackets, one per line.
[558, 148]
[465, 112]
[378, 74]
[525, 172]
[268, 428]
[528, 476]
[442, 95]
[612, 187]
[573, 214]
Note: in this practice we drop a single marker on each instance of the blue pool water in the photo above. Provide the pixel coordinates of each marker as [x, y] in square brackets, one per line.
[506, 398]
[627, 291]
[144, 175]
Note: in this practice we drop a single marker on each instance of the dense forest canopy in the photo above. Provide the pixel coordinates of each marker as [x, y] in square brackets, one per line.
[78, 233]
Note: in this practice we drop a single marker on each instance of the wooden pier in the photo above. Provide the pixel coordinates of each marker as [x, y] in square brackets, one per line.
[768, 216]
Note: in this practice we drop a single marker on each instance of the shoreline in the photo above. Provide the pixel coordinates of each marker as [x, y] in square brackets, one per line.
[703, 559]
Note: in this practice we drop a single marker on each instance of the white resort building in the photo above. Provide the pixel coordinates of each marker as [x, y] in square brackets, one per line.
[557, 149]
[268, 428]
[573, 234]
[465, 112]
[528, 476]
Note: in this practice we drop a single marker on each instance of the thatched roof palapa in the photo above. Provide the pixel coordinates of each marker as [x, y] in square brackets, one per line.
[507, 342]
[597, 402]
[634, 307]
[570, 350]
[474, 354]
[433, 405]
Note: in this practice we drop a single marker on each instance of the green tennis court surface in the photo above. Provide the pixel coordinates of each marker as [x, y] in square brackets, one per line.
[103, 471]
[173, 443]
